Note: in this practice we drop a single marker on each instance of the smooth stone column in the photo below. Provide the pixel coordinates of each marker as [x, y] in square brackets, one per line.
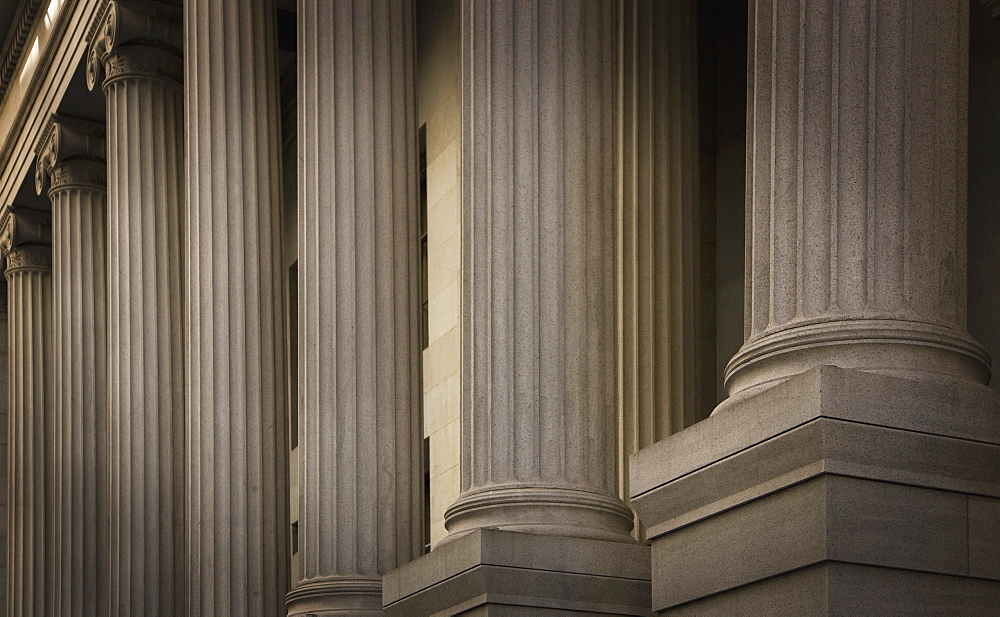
[237, 504]
[136, 50]
[856, 221]
[539, 425]
[71, 164]
[661, 384]
[360, 433]
[26, 243]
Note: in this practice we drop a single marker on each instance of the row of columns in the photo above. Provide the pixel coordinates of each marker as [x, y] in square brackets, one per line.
[187, 418]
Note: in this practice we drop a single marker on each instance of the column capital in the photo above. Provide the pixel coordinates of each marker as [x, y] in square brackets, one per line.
[136, 39]
[71, 154]
[26, 238]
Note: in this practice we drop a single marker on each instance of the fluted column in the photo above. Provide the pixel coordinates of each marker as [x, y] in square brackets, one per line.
[856, 222]
[661, 385]
[71, 164]
[539, 424]
[26, 243]
[137, 51]
[237, 480]
[4, 441]
[360, 432]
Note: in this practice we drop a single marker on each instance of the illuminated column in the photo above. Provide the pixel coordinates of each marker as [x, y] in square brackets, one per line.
[71, 163]
[360, 433]
[136, 49]
[26, 243]
[856, 227]
[237, 515]
[539, 427]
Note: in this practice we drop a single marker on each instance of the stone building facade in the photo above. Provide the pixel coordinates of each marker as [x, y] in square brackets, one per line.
[414, 307]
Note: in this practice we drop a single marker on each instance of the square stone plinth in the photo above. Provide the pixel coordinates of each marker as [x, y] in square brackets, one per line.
[491, 572]
[838, 492]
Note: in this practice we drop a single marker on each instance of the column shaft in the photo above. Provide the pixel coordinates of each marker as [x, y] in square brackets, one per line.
[661, 384]
[4, 443]
[26, 242]
[237, 480]
[539, 427]
[360, 433]
[856, 146]
[146, 405]
[71, 162]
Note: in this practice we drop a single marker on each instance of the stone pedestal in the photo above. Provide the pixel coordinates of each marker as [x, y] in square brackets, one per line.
[496, 573]
[838, 492]
[539, 426]
[26, 243]
[71, 164]
[136, 51]
[359, 427]
[237, 463]
[855, 468]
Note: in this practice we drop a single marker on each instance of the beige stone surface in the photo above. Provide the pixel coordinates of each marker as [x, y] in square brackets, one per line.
[856, 229]
[236, 520]
[26, 244]
[73, 173]
[438, 90]
[660, 385]
[135, 58]
[360, 433]
[539, 428]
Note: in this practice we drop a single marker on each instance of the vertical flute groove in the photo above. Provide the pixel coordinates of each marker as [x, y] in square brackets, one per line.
[359, 445]
[857, 159]
[236, 524]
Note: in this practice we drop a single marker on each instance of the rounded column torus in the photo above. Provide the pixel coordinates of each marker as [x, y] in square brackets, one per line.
[856, 200]
[539, 419]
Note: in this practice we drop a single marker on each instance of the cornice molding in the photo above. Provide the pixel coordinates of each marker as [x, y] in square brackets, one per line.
[26, 238]
[136, 39]
[16, 39]
[72, 153]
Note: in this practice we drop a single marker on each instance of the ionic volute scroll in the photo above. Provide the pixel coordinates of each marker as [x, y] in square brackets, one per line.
[25, 238]
[137, 39]
[71, 153]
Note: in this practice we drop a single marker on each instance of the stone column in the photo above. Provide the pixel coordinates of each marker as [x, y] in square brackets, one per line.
[136, 49]
[539, 428]
[661, 385]
[360, 432]
[4, 450]
[853, 470]
[26, 243]
[71, 164]
[856, 221]
[237, 509]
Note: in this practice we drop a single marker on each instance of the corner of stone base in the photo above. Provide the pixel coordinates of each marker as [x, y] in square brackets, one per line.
[495, 572]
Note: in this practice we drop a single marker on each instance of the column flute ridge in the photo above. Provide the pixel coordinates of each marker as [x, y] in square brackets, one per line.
[855, 226]
[359, 445]
[539, 343]
[135, 57]
[237, 518]
[26, 244]
[71, 162]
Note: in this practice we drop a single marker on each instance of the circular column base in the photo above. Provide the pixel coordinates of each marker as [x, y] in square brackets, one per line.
[558, 511]
[912, 349]
[322, 596]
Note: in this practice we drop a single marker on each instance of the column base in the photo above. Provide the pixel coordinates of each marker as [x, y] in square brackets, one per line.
[322, 597]
[494, 573]
[837, 492]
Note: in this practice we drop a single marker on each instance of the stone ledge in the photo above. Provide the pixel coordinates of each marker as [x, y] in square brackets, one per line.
[501, 572]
